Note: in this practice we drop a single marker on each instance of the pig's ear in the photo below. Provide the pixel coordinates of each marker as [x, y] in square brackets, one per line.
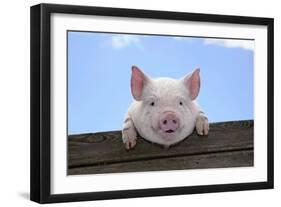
[138, 81]
[192, 83]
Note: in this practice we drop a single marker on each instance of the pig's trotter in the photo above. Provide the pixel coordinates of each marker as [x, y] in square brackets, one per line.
[202, 124]
[129, 134]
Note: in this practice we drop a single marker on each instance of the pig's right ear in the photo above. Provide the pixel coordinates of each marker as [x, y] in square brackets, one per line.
[192, 83]
[138, 81]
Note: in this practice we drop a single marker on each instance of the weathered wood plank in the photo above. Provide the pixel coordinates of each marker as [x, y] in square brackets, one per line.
[107, 147]
[211, 160]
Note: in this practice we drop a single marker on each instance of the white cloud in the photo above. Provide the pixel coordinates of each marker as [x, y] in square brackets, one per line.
[184, 39]
[178, 38]
[121, 41]
[231, 43]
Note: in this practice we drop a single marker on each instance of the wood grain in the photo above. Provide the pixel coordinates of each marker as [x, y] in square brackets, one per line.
[212, 160]
[229, 144]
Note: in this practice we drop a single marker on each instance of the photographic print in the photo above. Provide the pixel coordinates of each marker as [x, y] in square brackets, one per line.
[141, 102]
[132, 103]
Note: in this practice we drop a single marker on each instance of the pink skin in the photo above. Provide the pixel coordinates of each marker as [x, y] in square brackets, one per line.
[166, 121]
[137, 83]
[169, 123]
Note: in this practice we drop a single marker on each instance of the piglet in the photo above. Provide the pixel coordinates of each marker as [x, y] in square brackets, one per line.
[164, 110]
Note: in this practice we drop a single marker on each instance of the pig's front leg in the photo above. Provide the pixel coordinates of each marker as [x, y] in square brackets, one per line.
[202, 124]
[129, 133]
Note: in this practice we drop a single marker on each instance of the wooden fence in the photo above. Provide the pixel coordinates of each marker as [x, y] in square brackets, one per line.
[229, 144]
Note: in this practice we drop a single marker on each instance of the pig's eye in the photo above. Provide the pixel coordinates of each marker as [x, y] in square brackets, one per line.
[180, 103]
[152, 103]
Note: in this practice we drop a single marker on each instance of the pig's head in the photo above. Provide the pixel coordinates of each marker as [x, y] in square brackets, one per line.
[166, 112]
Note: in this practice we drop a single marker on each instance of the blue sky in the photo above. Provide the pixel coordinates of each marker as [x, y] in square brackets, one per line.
[99, 70]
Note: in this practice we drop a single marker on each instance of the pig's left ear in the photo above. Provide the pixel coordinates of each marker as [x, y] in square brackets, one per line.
[192, 83]
[138, 81]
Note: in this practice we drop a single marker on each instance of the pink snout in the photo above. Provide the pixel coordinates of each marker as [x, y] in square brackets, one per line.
[169, 122]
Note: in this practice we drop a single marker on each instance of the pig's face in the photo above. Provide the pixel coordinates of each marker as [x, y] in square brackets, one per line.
[165, 114]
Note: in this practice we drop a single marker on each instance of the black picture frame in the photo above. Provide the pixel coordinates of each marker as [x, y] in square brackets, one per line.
[40, 184]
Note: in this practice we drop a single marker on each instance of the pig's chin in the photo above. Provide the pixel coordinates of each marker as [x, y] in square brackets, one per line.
[168, 137]
[168, 134]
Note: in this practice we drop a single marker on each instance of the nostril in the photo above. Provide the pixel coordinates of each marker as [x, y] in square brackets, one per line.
[174, 121]
[165, 122]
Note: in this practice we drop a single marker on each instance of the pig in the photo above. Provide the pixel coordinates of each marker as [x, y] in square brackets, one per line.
[164, 110]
